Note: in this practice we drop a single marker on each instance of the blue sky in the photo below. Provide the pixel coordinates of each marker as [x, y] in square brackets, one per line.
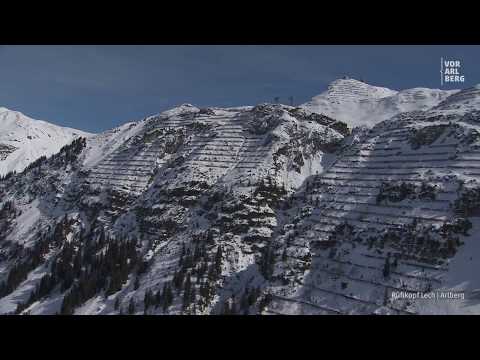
[95, 88]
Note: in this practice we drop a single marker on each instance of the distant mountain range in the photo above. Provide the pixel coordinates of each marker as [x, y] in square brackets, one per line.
[269, 209]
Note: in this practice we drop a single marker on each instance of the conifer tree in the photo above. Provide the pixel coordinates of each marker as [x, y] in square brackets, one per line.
[218, 260]
[167, 296]
[187, 292]
[233, 308]
[386, 268]
[226, 308]
[148, 299]
[158, 298]
[131, 307]
[385, 297]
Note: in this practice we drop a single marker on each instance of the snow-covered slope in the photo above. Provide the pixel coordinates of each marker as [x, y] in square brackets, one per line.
[461, 102]
[159, 182]
[396, 212]
[252, 210]
[358, 103]
[24, 140]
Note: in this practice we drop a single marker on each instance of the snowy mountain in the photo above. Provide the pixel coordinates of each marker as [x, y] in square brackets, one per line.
[24, 140]
[254, 210]
[358, 103]
[149, 192]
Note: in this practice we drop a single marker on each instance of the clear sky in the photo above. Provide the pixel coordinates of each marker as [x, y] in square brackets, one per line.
[95, 88]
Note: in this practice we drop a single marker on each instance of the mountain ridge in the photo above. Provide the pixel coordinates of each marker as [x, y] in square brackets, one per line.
[268, 209]
[24, 140]
[358, 103]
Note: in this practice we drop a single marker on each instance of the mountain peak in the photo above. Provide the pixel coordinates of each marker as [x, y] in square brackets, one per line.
[347, 89]
[28, 139]
[346, 79]
[358, 103]
[181, 109]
